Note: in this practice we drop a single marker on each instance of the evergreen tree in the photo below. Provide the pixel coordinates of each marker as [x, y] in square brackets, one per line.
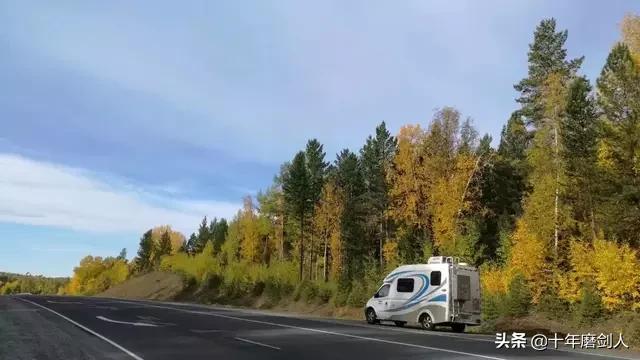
[619, 146]
[297, 198]
[145, 252]
[317, 169]
[547, 55]
[219, 233]
[191, 244]
[349, 180]
[376, 158]
[123, 254]
[163, 247]
[579, 152]
[202, 237]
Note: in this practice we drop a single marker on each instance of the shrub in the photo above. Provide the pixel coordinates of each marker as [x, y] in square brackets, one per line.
[326, 291]
[552, 306]
[590, 307]
[358, 295]
[518, 297]
[492, 310]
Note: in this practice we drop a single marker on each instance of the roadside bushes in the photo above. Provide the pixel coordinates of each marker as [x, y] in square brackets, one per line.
[97, 274]
[194, 268]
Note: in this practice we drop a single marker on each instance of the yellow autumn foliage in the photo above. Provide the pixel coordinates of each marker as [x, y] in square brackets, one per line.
[613, 268]
[447, 200]
[494, 280]
[407, 190]
[391, 255]
[528, 257]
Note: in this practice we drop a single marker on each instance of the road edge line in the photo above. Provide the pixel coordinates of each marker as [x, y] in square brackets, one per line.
[326, 332]
[104, 338]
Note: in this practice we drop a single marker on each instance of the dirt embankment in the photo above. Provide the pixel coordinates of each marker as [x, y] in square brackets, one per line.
[155, 285]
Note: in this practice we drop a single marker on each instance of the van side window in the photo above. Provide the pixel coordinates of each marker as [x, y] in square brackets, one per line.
[436, 278]
[405, 285]
[383, 292]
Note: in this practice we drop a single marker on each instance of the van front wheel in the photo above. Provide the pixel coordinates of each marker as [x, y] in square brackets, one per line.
[426, 322]
[371, 316]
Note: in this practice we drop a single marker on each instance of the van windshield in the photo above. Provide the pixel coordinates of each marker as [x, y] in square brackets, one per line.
[383, 292]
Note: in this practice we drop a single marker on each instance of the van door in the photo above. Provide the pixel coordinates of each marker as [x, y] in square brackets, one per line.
[381, 301]
[402, 290]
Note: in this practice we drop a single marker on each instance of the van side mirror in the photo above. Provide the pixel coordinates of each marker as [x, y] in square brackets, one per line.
[376, 295]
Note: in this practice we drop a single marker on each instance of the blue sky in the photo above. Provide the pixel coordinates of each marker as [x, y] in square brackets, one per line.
[118, 116]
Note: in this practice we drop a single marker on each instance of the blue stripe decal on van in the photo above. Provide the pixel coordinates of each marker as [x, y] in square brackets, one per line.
[441, 297]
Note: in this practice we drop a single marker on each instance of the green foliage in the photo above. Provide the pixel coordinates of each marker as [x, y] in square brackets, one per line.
[196, 267]
[145, 253]
[590, 307]
[618, 147]
[163, 247]
[518, 299]
[552, 306]
[547, 55]
[492, 310]
[39, 285]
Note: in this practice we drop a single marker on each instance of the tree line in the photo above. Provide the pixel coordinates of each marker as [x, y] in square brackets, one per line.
[556, 204]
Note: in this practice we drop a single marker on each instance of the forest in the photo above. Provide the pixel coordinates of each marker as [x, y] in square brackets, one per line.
[551, 215]
[34, 284]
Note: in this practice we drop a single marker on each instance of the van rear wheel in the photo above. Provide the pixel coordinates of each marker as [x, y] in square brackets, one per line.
[458, 327]
[371, 316]
[426, 322]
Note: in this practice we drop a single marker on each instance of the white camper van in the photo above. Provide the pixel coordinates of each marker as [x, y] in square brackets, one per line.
[441, 292]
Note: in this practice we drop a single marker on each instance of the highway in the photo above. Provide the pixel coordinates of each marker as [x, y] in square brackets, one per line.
[99, 328]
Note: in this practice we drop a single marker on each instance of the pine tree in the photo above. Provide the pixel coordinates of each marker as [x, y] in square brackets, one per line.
[190, 247]
[547, 55]
[619, 147]
[202, 237]
[349, 180]
[317, 169]
[163, 247]
[579, 152]
[297, 198]
[376, 160]
[219, 233]
[145, 252]
[123, 254]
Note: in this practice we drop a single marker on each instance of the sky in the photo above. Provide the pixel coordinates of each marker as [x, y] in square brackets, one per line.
[118, 116]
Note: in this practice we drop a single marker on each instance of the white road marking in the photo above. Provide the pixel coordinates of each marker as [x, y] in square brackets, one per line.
[64, 302]
[125, 322]
[257, 343]
[324, 331]
[204, 331]
[120, 347]
[475, 337]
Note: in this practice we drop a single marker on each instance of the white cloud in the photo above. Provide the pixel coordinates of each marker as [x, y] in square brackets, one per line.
[40, 193]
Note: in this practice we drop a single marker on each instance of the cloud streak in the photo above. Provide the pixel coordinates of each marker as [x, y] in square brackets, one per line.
[40, 193]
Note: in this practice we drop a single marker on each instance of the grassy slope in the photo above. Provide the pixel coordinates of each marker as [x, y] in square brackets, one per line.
[156, 285]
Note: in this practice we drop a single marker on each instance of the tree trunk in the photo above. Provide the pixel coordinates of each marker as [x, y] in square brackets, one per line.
[311, 255]
[555, 210]
[325, 269]
[381, 242]
[301, 245]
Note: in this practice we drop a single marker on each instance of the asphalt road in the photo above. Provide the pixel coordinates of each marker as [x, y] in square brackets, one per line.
[155, 330]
